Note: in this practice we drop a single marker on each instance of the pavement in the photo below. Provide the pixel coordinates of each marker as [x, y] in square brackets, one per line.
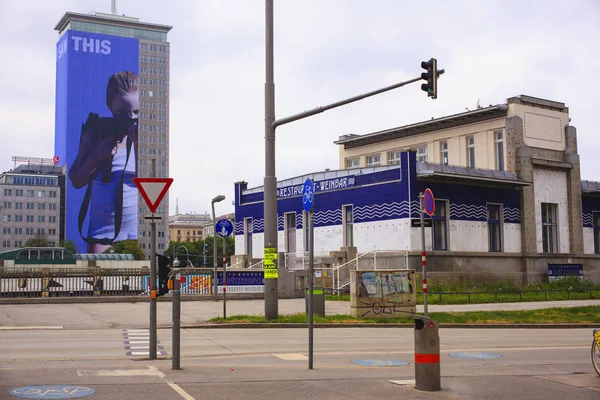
[197, 313]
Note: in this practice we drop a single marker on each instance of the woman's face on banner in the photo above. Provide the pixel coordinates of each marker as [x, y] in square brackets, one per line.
[126, 105]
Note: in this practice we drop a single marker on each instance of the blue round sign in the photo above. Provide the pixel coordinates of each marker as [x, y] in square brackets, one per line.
[476, 355]
[428, 202]
[308, 195]
[381, 363]
[51, 392]
[224, 227]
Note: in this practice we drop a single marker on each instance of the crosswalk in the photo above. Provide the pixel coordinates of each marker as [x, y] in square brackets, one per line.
[137, 343]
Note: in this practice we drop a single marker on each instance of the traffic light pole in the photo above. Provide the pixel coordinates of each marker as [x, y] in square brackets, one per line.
[270, 180]
[153, 292]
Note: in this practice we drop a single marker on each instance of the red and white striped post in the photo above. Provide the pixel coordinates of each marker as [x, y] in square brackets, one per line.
[423, 257]
[224, 278]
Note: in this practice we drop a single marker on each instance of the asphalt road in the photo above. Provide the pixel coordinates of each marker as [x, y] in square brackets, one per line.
[90, 345]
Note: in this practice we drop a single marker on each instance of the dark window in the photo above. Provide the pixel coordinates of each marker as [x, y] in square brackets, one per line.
[494, 227]
[440, 241]
[549, 228]
[596, 217]
[349, 226]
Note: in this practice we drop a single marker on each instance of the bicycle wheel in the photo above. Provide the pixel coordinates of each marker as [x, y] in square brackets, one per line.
[596, 356]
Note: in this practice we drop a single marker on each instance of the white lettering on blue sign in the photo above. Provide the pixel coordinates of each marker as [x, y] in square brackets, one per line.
[90, 45]
[321, 186]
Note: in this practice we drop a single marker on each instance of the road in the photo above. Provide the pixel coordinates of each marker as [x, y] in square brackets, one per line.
[272, 363]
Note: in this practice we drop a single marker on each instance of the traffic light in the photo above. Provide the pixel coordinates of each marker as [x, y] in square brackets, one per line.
[163, 274]
[431, 77]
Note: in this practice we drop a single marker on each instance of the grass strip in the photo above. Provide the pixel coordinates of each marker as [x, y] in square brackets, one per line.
[559, 315]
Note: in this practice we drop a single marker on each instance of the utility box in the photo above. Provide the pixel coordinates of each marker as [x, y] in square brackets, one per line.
[386, 293]
[427, 354]
[318, 301]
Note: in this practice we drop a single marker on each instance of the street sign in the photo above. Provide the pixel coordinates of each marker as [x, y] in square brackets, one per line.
[308, 195]
[153, 190]
[224, 227]
[428, 202]
[416, 223]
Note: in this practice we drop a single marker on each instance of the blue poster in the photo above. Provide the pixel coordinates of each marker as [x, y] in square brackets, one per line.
[96, 135]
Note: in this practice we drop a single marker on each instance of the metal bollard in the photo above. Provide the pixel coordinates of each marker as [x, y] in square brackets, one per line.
[427, 354]
[176, 318]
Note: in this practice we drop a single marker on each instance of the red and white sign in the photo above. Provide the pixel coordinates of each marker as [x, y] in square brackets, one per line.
[55, 159]
[153, 190]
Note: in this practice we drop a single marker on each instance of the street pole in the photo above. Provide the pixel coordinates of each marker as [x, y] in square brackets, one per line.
[176, 318]
[311, 286]
[215, 287]
[270, 180]
[204, 252]
[423, 259]
[153, 292]
[224, 280]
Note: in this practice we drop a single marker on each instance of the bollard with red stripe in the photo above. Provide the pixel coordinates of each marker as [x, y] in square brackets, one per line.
[427, 354]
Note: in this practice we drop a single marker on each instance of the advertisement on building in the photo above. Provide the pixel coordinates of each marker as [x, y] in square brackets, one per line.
[96, 135]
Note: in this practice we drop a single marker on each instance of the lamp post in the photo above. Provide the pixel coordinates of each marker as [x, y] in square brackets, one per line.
[187, 254]
[212, 204]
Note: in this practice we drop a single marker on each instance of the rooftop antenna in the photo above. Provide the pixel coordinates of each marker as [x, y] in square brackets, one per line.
[113, 7]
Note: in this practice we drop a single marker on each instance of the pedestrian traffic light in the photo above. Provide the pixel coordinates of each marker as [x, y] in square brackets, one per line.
[163, 274]
[431, 77]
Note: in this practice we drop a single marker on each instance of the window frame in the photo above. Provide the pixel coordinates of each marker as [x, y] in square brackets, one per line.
[495, 223]
[550, 243]
[444, 152]
[351, 161]
[392, 159]
[499, 150]
[422, 153]
[373, 160]
[440, 220]
[347, 227]
[470, 145]
[596, 230]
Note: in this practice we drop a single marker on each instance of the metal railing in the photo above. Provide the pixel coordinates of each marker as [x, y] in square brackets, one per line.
[94, 282]
[513, 292]
[299, 260]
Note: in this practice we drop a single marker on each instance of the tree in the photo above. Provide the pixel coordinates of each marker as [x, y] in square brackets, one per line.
[69, 245]
[127, 247]
[38, 241]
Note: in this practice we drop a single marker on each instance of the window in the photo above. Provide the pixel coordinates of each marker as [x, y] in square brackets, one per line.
[499, 141]
[373, 160]
[6, 243]
[18, 218]
[41, 193]
[52, 232]
[444, 152]
[29, 218]
[19, 193]
[18, 231]
[152, 47]
[18, 206]
[471, 151]
[393, 157]
[143, 58]
[422, 153]
[596, 223]
[29, 231]
[18, 243]
[7, 218]
[52, 219]
[41, 231]
[248, 236]
[494, 219]
[52, 206]
[348, 226]
[30, 193]
[352, 162]
[8, 192]
[41, 206]
[7, 205]
[41, 219]
[6, 231]
[143, 69]
[549, 228]
[440, 241]
[30, 206]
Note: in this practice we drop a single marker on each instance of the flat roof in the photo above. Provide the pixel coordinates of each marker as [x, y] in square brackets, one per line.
[109, 19]
[457, 174]
[469, 117]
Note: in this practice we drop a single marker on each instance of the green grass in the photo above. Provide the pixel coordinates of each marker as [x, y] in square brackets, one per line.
[577, 315]
[501, 292]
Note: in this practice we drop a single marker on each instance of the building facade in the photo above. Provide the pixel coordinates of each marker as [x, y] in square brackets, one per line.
[32, 200]
[509, 199]
[135, 46]
[187, 227]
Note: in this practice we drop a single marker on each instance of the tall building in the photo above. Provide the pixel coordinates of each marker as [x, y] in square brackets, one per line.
[32, 199]
[92, 50]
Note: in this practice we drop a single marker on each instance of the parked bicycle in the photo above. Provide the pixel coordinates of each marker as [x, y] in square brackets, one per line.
[596, 351]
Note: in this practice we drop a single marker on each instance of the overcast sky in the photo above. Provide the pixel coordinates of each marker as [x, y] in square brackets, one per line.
[325, 51]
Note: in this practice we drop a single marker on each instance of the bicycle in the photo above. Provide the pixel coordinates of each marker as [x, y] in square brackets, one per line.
[596, 351]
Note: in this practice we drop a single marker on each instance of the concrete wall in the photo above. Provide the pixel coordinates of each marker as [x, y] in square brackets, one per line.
[588, 240]
[551, 187]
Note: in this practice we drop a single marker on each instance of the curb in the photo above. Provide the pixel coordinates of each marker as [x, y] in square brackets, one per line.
[275, 325]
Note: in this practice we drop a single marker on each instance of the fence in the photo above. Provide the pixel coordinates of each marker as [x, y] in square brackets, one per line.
[537, 293]
[94, 282]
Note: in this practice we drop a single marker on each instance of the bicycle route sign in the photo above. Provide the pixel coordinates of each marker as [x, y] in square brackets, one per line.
[224, 227]
[308, 195]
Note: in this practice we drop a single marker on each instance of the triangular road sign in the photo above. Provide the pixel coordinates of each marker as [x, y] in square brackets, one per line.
[153, 190]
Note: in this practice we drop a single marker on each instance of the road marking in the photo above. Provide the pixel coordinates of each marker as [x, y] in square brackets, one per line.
[291, 357]
[172, 384]
[137, 343]
[30, 328]
[403, 382]
[117, 372]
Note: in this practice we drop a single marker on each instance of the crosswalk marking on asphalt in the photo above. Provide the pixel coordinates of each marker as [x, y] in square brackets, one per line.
[291, 357]
[137, 343]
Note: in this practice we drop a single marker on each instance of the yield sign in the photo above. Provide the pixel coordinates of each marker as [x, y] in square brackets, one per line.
[153, 190]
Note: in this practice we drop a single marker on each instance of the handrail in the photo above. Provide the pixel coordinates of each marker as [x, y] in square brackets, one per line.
[261, 263]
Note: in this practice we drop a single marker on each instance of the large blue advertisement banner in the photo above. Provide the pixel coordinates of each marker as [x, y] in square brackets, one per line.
[96, 136]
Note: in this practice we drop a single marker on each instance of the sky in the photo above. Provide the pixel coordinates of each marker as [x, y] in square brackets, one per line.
[325, 51]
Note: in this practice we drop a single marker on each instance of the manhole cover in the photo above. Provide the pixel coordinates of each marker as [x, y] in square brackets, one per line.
[381, 363]
[51, 392]
[476, 355]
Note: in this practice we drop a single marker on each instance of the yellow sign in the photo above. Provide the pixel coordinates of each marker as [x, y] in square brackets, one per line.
[270, 263]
